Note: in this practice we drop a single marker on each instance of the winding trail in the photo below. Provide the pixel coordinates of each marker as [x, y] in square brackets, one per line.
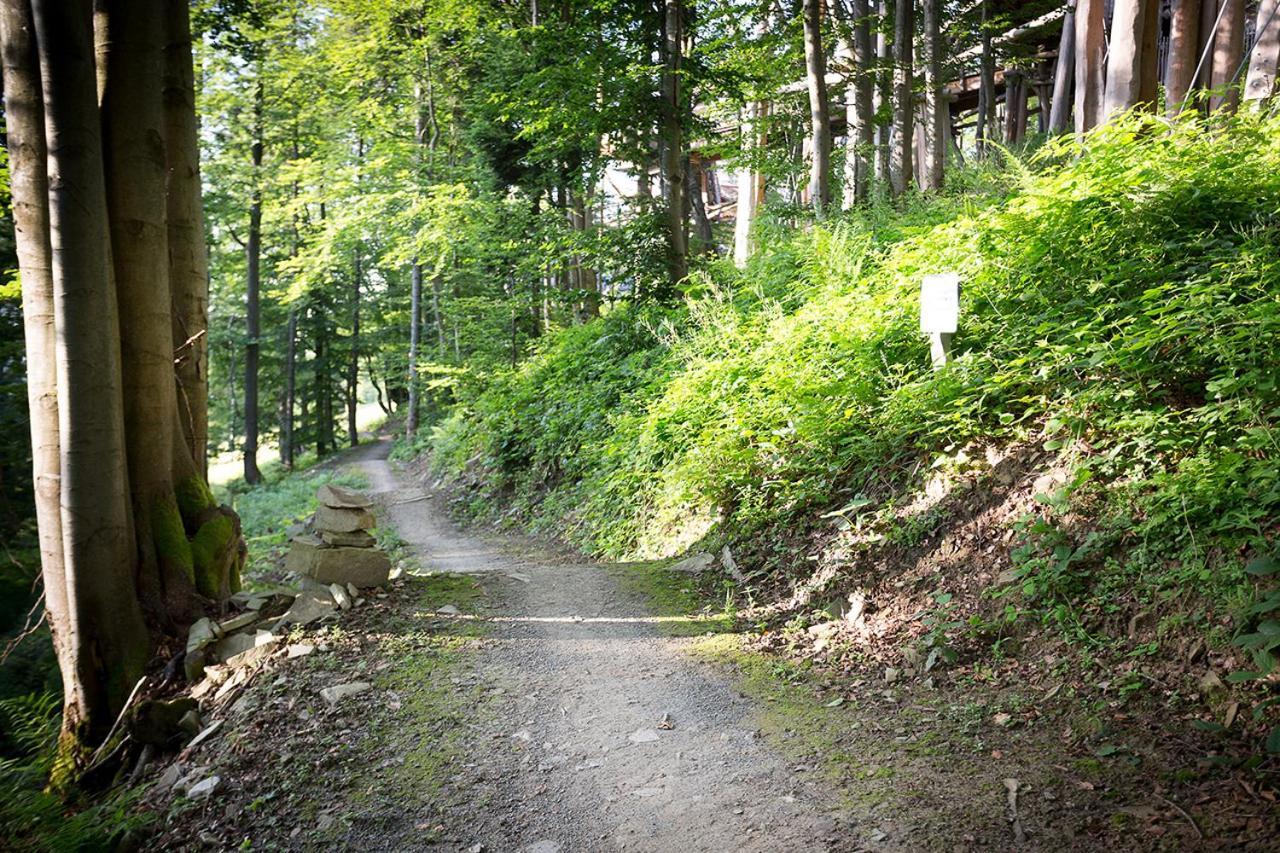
[579, 755]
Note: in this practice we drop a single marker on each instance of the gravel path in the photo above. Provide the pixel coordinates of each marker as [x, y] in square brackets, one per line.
[606, 735]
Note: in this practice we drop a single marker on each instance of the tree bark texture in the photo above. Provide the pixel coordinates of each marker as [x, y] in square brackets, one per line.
[819, 109]
[1228, 54]
[121, 504]
[934, 160]
[673, 142]
[188, 260]
[1090, 65]
[1261, 82]
[253, 259]
[903, 108]
[1124, 57]
[1063, 73]
[1184, 44]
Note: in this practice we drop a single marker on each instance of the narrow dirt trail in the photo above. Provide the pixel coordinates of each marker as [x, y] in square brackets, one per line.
[576, 752]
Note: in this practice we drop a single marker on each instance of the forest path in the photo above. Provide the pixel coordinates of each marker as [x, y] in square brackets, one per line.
[573, 751]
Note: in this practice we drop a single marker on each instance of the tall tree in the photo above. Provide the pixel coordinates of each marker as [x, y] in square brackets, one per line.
[935, 99]
[815, 61]
[1261, 82]
[1184, 41]
[1124, 57]
[1228, 54]
[859, 110]
[188, 258]
[1090, 64]
[900, 161]
[673, 139]
[1064, 72]
[131, 501]
[253, 291]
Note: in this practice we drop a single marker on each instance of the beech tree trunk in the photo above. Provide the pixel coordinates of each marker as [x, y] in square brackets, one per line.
[934, 159]
[750, 183]
[672, 141]
[1184, 44]
[694, 177]
[986, 121]
[119, 498]
[28, 180]
[858, 112]
[883, 93]
[188, 261]
[287, 450]
[1228, 54]
[1063, 73]
[1090, 64]
[903, 108]
[1124, 57]
[815, 61]
[415, 275]
[1261, 82]
[253, 258]
[353, 357]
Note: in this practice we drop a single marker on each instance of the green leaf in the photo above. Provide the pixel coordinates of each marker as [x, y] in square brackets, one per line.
[1242, 676]
[1262, 566]
[1209, 726]
[1273, 741]
[1109, 749]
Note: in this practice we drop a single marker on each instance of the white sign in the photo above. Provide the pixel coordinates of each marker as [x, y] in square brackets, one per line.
[940, 303]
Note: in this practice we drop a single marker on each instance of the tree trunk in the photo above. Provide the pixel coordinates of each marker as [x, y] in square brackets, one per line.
[903, 107]
[698, 206]
[130, 44]
[353, 363]
[1228, 54]
[1184, 41]
[858, 111]
[883, 93]
[1124, 57]
[986, 121]
[815, 61]
[935, 152]
[106, 639]
[1261, 82]
[750, 183]
[415, 275]
[415, 327]
[290, 389]
[188, 261]
[1149, 64]
[93, 252]
[24, 114]
[673, 143]
[1090, 64]
[1063, 73]
[253, 257]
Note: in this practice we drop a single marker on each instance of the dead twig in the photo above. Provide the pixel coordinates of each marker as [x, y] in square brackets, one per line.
[133, 694]
[28, 628]
[1180, 810]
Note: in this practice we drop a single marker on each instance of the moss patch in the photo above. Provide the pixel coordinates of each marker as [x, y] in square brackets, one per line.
[170, 537]
[207, 546]
[686, 605]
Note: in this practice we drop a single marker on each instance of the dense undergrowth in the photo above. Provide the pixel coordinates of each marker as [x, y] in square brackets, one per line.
[1120, 308]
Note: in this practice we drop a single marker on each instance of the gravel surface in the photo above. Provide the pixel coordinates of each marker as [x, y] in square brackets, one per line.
[600, 733]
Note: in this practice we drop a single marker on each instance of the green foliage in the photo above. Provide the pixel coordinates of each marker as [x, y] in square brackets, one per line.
[283, 499]
[1118, 308]
[33, 819]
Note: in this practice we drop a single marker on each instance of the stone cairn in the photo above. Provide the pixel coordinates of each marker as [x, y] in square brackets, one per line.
[338, 548]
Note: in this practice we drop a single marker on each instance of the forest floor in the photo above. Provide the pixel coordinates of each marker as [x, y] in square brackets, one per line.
[525, 699]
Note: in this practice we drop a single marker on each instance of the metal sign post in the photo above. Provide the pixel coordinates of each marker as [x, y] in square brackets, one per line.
[940, 313]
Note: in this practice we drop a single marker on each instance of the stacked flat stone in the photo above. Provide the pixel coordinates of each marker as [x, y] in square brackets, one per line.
[339, 549]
